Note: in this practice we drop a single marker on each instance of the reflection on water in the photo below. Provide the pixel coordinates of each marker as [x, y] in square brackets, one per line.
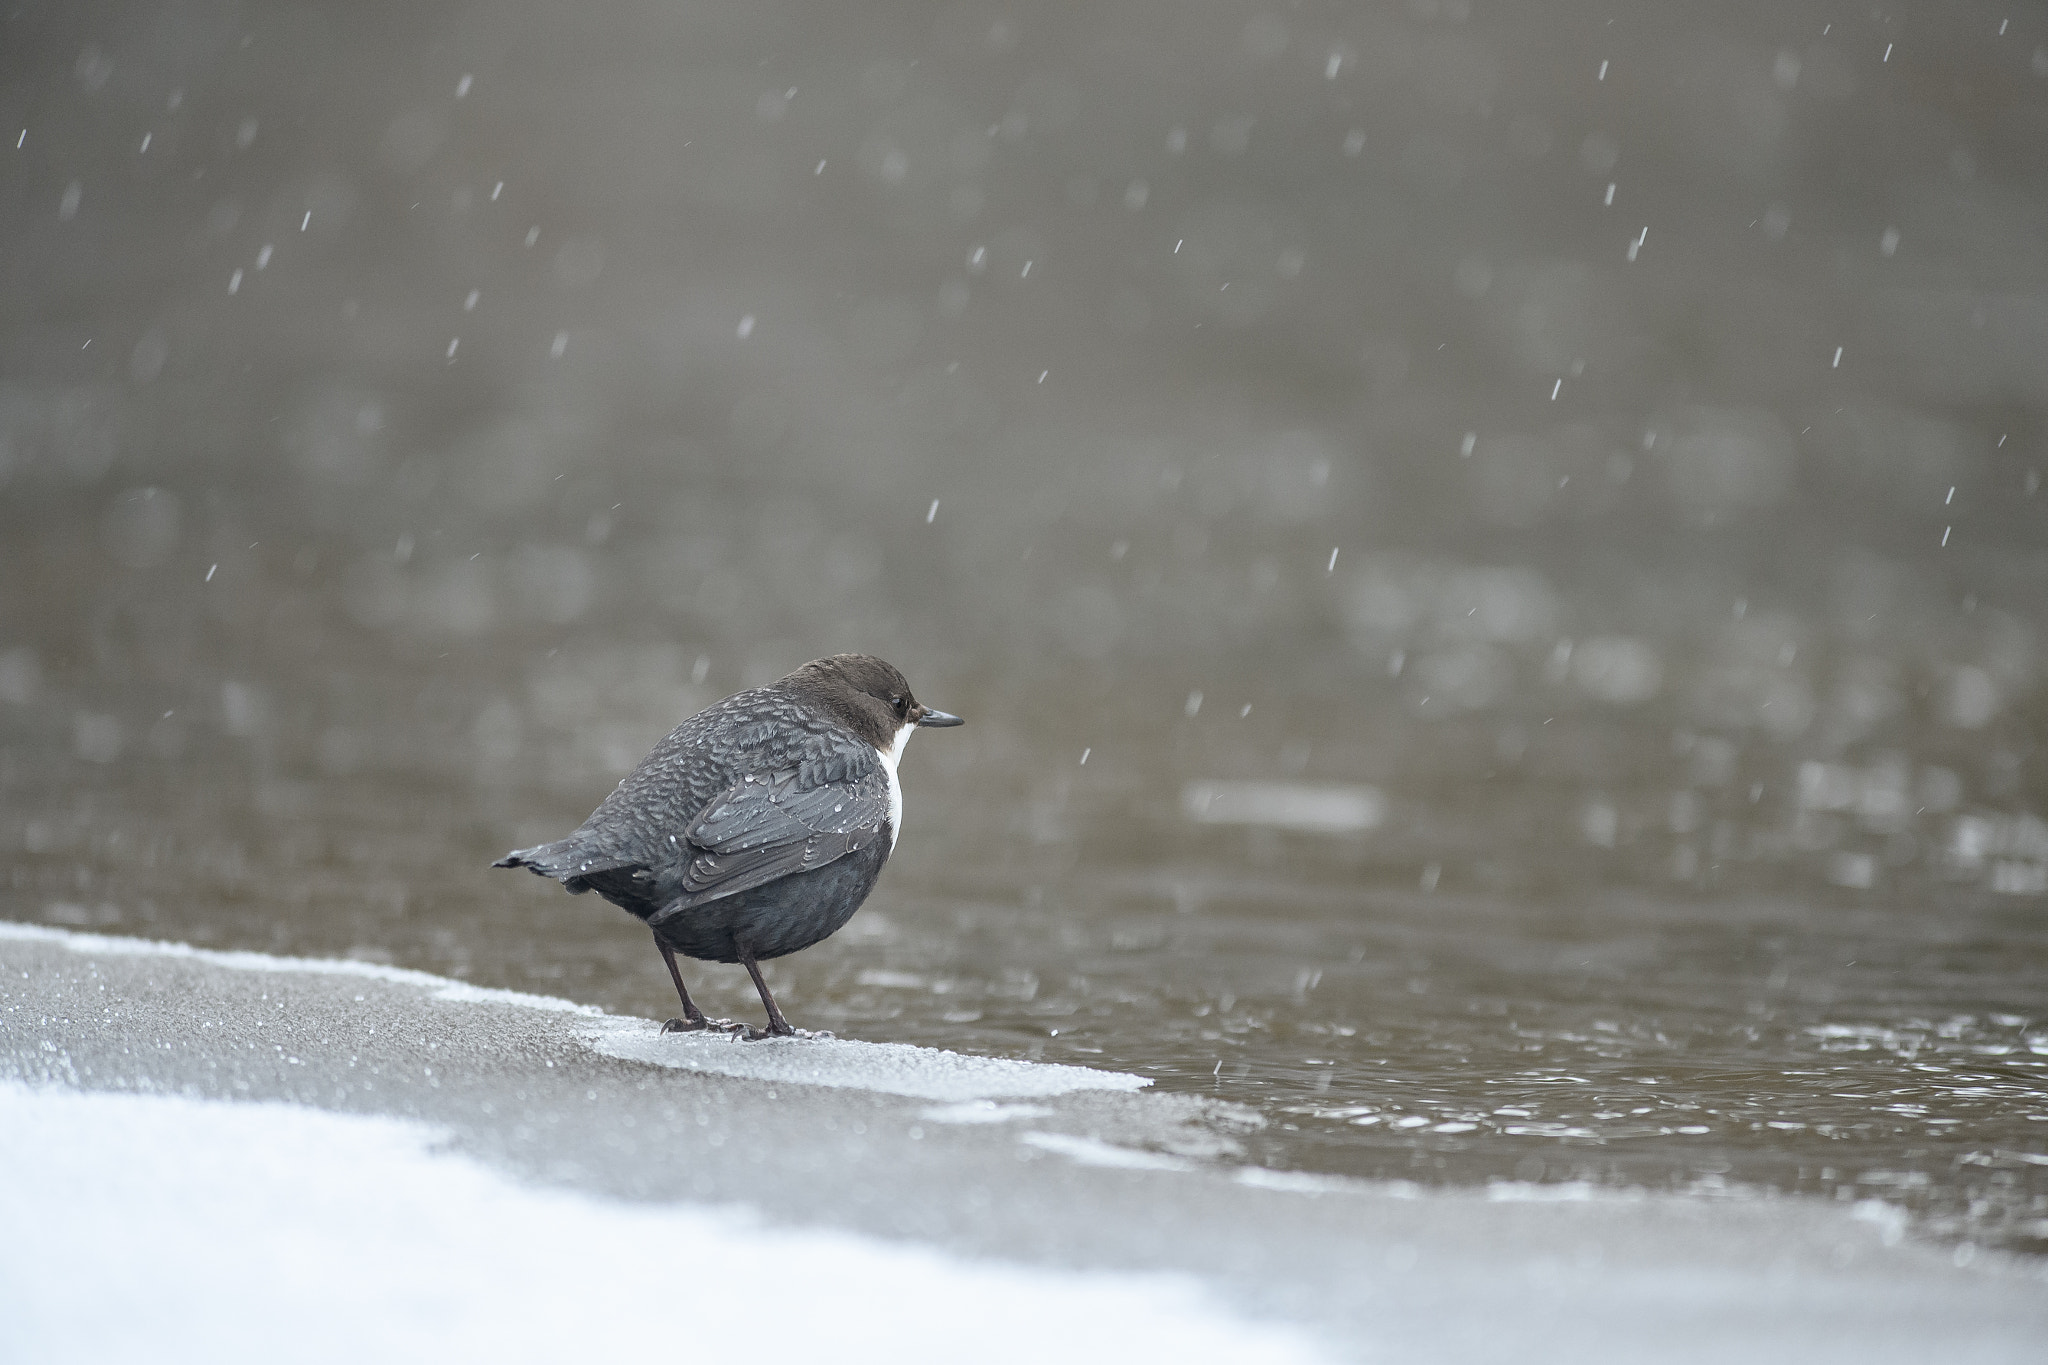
[1493, 560]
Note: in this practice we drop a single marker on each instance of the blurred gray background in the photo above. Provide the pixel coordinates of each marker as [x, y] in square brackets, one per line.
[1585, 463]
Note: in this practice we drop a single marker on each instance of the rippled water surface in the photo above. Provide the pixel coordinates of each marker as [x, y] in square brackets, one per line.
[1494, 556]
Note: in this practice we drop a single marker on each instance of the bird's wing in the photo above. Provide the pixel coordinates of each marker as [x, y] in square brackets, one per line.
[767, 826]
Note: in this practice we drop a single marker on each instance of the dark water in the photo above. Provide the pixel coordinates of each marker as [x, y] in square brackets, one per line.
[445, 402]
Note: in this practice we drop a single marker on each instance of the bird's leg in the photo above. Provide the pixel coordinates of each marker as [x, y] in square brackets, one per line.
[777, 1025]
[693, 1018]
[691, 1013]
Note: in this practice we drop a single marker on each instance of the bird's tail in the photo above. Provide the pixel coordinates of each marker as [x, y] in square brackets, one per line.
[564, 860]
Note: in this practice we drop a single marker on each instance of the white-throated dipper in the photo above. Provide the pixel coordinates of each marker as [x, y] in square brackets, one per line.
[757, 827]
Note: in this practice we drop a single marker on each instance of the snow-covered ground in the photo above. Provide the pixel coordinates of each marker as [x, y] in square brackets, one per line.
[226, 1156]
[157, 1228]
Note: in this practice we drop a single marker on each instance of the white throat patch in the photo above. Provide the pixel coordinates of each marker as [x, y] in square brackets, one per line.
[891, 756]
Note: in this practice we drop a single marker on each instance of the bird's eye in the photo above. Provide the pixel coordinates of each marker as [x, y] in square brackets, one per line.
[900, 704]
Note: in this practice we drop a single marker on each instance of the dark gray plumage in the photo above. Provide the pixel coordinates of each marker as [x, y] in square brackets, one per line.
[758, 826]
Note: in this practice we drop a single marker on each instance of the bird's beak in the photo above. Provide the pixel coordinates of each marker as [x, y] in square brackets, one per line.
[937, 719]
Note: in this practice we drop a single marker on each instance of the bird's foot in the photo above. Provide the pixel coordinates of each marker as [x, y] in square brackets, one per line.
[702, 1025]
[754, 1035]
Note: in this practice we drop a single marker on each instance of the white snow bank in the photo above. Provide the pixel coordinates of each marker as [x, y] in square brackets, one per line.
[103, 945]
[1095, 1152]
[171, 1230]
[983, 1111]
[889, 1068]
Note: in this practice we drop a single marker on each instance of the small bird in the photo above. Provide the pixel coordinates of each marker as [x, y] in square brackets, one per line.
[757, 827]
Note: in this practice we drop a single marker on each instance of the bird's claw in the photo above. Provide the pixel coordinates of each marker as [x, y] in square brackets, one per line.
[754, 1035]
[702, 1026]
